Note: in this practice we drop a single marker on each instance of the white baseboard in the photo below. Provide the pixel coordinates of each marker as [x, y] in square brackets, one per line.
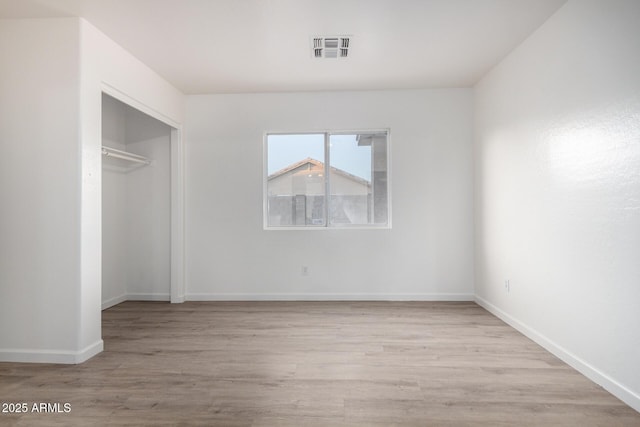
[327, 297]
[113, 301]
[148, 297]
[611, 385]
[51, 356]
[89, 351]
[135, 297]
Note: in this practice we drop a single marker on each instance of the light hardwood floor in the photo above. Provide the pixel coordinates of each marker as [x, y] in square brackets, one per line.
[312, 363]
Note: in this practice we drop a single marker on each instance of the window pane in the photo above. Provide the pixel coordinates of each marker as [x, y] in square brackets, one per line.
[358, 179]
[295, 181]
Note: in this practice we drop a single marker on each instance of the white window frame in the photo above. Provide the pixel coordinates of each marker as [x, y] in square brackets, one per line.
[327, 163]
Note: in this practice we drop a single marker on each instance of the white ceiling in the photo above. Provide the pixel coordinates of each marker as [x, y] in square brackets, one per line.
[226, 46]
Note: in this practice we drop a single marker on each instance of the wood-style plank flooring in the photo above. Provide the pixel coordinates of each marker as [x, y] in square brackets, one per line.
[311, 364]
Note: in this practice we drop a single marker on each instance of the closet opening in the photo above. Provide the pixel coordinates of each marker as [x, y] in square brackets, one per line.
[140, 213]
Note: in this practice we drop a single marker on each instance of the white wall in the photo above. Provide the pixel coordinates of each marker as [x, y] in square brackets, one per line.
[557, 161]
[105, 66]
[39, 189]
[148, 202]
[52, 75]
[428, 254]
[114, 206]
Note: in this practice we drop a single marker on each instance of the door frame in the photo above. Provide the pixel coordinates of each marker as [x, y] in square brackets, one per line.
[177, 290]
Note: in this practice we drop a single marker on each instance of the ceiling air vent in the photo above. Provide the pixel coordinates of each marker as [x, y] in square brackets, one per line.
[334, 47]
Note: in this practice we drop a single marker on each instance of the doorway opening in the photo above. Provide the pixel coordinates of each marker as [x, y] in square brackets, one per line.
[141, 206]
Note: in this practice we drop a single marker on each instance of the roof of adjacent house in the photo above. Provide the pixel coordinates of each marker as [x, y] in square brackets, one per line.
[317, 163]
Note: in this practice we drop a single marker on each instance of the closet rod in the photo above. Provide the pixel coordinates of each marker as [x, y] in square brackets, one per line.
[119, 154]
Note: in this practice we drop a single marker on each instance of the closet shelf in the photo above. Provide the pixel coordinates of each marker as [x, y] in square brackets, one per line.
[123, 155]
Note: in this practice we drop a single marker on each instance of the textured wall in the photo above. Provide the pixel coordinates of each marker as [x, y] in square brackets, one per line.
[557, 173]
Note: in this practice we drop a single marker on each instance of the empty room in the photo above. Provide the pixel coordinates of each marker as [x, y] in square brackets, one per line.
[335, 213]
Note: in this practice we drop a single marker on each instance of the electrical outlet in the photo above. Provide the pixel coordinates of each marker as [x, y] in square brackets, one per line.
[305, 270]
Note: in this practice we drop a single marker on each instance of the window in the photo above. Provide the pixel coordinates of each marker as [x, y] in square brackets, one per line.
[333, 179]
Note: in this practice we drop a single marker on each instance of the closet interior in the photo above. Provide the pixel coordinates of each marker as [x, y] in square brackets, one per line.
[136, 205]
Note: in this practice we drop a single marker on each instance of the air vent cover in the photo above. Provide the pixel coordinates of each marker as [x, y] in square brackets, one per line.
[333, 47]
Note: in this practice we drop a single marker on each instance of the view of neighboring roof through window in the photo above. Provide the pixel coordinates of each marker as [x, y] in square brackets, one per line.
[327, 180]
